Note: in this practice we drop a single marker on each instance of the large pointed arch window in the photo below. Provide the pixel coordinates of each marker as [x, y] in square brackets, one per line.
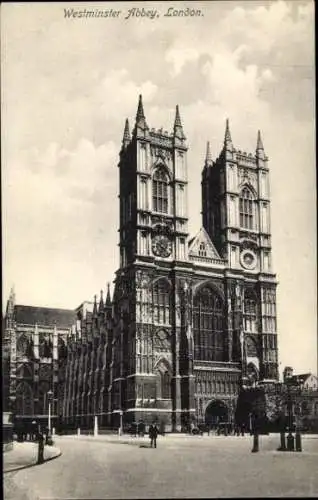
[250, 312]
[247, 209]
[209, 338]
[160, 184]
[161, 302]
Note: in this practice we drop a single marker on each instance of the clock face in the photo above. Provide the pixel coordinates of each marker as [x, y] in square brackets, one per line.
[161, 246]
[248, 259]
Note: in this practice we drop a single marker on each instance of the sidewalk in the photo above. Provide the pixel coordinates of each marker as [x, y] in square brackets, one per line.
[145, 442]
[25, 455]
[110, 438]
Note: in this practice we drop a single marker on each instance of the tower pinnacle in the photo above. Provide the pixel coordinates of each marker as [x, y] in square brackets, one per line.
[259, 146]
[140, 110]
[141, 123]
[126, 136]
[208, 158]
[227, 137]
[259, 141]
[177, 128]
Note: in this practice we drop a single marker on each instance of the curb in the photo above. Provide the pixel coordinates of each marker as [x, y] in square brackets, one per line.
[33, 464]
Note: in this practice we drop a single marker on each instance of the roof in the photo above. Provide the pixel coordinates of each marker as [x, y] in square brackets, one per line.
[45, 316]
[301, 378]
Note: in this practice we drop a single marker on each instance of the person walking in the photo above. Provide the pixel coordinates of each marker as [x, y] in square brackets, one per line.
[153, 433]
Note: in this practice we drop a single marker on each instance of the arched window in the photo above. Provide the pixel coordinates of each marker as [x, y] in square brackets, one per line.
[46, 349]
[161, 302]
[247, 209]
[209, 339]
[250, 316]
[160, 191]
[23, 345]
[24, 399]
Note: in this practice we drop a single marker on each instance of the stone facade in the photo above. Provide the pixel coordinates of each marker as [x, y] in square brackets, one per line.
[191, 319]
[35, 340]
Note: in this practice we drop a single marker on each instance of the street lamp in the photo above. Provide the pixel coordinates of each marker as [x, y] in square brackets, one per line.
[49, 398]
[291, 441]
[290, 437]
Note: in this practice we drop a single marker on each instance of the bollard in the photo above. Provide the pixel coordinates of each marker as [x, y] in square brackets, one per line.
[290, 442]
[41, 449]
[78, 432]
[282, 442]
[298, 441]
[95, 426]
[255, 443]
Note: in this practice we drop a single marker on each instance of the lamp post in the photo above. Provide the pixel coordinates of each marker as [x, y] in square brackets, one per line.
[49, 398]
[291, 441]
[290, 437]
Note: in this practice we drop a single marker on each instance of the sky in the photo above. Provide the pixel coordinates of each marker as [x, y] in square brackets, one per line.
[68, 85]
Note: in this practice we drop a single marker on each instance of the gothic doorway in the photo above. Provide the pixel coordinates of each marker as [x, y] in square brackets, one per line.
[216, 412]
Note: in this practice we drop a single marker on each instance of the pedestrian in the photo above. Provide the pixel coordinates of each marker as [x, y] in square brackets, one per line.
[153, 433]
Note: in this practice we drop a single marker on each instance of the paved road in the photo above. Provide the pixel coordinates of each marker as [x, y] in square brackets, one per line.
[179, 468]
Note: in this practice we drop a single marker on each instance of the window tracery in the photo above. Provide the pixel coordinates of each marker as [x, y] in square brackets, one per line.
[161, 302]
[250, 312]
[247, 209]
[209, 340]
[160, 191]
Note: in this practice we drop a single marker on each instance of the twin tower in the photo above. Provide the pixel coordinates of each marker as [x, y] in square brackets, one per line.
[194, 318]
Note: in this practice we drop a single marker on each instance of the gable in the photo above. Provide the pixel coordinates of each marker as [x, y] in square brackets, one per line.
[311, 381]
[202, 249]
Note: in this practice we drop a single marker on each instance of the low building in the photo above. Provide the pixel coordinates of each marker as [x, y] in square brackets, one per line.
[35, 343]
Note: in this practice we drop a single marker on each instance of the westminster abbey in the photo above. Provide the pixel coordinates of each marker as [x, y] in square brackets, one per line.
[191, 319]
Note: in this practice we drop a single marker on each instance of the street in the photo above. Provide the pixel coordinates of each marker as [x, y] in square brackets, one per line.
[181, 467]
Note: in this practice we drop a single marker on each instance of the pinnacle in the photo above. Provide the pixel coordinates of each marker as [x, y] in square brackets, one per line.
[140, 117]
[126, 136]
[177, 122]
[108, 299]
[95, 305]
[259, 141]
[227, 137]
[140, 110]
[101, 302]
[208, 158]
[177, 128]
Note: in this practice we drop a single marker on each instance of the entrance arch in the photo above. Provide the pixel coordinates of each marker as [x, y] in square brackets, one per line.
[216, 412]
